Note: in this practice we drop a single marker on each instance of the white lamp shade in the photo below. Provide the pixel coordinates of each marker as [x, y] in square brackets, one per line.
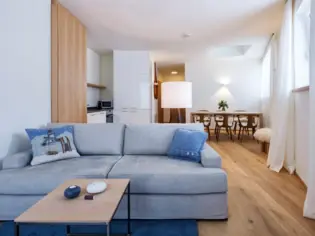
[176, 94]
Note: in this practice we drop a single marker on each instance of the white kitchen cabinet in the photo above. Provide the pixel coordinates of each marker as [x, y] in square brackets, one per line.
[96, 117]
[132, 87]
[93, 77]
[132, 116]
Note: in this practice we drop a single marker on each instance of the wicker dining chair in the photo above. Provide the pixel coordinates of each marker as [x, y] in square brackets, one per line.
[250, 123]
[223, 121]
[205, 119]
[236, 123]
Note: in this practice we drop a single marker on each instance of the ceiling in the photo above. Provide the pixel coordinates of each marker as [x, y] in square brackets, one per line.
[168, 69]
[176, 28]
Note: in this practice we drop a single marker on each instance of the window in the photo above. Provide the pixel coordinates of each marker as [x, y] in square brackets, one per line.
[302, 42]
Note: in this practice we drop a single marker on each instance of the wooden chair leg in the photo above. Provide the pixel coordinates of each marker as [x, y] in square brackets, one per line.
[218, 133]
[242, 136]
[235, 126]
[208, 129]
[253, 132]
[231, 134]
[227, 131]
[239, 133]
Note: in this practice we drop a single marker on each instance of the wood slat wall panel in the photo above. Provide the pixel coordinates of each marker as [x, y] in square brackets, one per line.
[71, 69]
[54, 62]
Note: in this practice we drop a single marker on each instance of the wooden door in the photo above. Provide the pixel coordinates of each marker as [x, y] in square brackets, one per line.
[160, 110]
[68, 80]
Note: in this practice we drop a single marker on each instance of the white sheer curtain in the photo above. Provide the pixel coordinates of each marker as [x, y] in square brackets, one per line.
[281, 152]
[266, 85]
[309, 206]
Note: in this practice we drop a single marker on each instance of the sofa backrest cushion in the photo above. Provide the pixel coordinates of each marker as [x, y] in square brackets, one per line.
[98, 139]
[152, 139]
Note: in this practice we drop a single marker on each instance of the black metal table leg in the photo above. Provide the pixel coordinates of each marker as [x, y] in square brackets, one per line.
[68, 230]
[17, 229]
[129, 230]
[108, 229]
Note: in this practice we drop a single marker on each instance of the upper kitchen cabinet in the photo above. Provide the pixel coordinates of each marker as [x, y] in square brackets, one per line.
[132, 80]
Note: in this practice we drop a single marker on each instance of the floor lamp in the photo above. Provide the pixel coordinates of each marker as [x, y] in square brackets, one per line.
[176, 95]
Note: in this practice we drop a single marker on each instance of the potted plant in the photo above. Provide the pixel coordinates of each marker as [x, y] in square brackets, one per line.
[222, 105]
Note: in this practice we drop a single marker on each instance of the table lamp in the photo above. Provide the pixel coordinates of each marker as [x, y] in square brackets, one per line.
[176, 95]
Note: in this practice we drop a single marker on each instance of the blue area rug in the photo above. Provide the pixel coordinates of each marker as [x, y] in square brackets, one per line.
[138, 228]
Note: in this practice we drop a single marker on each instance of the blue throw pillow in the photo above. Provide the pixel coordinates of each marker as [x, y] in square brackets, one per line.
[52, 144]
[187, 145]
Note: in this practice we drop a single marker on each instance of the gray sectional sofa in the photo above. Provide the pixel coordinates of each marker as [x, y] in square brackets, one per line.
[161, 187]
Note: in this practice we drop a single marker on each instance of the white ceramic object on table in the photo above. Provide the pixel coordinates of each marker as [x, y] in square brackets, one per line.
[96, 187]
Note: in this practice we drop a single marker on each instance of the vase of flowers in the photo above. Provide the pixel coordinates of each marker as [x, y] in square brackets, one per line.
[223, 105]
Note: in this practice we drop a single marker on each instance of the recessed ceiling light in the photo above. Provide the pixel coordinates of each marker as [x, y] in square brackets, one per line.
[174, 72]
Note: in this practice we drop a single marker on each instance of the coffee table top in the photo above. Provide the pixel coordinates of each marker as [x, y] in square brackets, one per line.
[55, 208]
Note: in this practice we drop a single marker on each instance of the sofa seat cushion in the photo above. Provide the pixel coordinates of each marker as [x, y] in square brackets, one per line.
[42, 179]
[163, 175]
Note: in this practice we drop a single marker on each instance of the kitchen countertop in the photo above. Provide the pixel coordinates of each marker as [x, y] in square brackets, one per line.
[96, 109]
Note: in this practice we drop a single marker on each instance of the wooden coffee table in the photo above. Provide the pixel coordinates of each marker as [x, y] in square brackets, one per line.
[56, 209]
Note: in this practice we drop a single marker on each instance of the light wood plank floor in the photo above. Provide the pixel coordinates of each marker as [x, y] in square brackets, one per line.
[261, 202]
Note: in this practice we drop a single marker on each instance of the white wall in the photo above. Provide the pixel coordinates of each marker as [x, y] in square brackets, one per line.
[24, 68]
[93, 76]
[243, 77]
[107, 76]
[302, 134]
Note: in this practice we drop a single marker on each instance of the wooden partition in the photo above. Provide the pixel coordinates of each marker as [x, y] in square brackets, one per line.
[68, 67]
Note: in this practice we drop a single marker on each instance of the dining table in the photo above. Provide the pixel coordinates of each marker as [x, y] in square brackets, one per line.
[203, 114]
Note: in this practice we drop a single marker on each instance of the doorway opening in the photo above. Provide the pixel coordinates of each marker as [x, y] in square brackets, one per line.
[168, 73]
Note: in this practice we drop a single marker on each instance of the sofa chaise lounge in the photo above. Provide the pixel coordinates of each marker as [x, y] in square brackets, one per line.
[161, 187]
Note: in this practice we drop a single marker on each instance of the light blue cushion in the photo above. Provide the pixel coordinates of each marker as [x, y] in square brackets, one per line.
[187, 145]
[52, 144]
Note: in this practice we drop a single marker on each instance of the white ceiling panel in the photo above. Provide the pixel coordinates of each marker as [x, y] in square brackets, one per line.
[160, 25]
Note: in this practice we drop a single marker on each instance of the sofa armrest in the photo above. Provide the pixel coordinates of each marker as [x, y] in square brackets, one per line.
[1, 160]
[17, 160]
[210, 158]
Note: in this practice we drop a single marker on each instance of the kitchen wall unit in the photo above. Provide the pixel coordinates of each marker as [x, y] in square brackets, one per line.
[68, 66]
[107, 76]
[94, 86]
[132, 88]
